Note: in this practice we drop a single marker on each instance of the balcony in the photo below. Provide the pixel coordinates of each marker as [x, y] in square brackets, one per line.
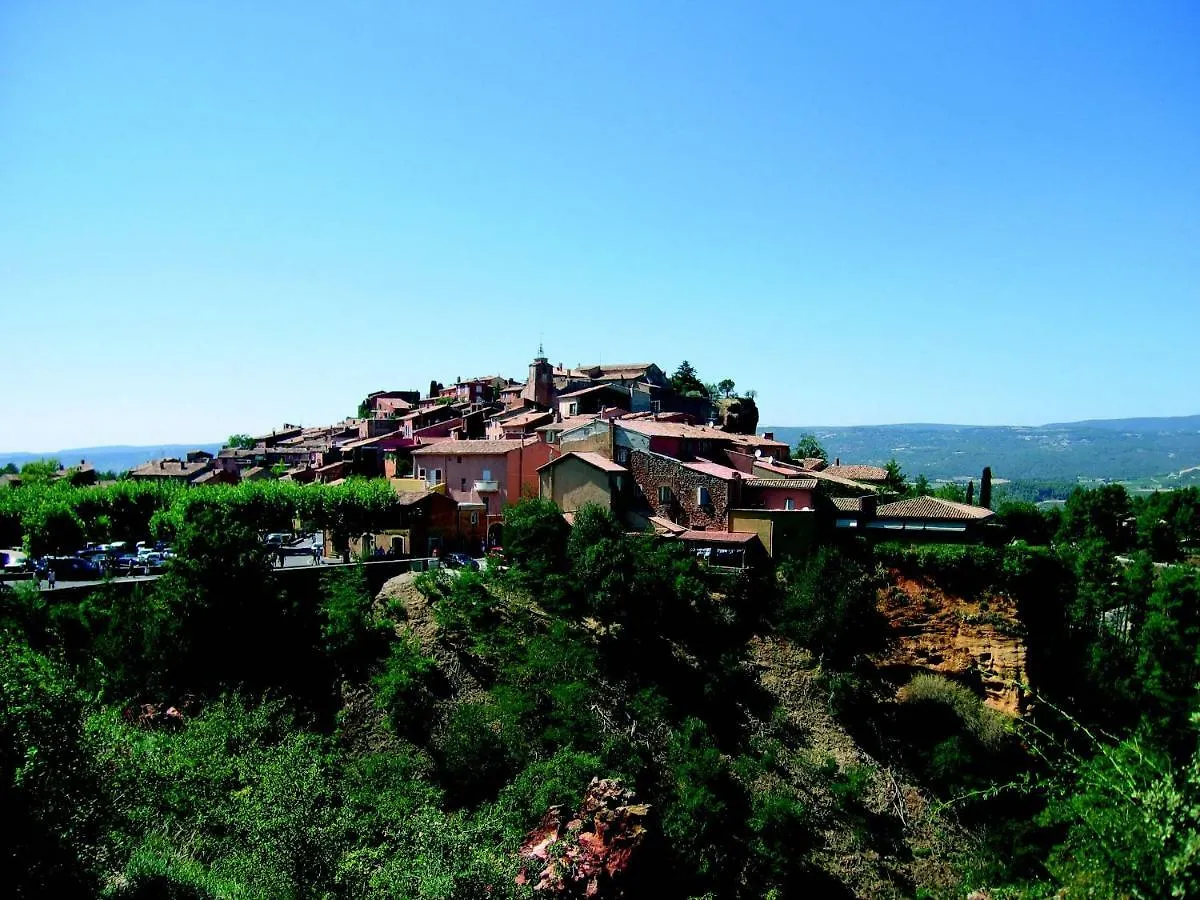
[486, 487]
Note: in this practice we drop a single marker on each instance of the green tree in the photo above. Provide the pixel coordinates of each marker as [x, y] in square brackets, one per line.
[809, 447]
[9, 469]
[354, 637]
[895, 481]
[404, 688]
[240, 442]
[40, 470]
[685, 381]
[985, 488]
[726, 386]
[829, 603]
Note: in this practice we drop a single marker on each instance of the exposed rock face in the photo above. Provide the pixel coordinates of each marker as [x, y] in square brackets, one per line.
[738, 415]
[969, 640]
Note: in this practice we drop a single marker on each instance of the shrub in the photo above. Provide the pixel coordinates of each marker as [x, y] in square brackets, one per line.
[403, 688]
[989, 727]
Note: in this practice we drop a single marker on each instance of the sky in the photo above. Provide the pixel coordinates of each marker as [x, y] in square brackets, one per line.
[220, 217]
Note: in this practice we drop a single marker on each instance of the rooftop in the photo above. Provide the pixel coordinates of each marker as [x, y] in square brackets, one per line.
[593, 459]
[716, 470]
[932, 508]
[793, 483]
[464, 448]
[719, 537]
[857, 473]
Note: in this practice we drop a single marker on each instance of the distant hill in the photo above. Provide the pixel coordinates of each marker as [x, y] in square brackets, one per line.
[116, 459]
[1113, 449]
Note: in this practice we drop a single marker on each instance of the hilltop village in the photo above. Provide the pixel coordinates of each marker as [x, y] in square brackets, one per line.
[662, 453]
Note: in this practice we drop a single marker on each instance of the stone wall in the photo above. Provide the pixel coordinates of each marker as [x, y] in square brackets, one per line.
[651, 471]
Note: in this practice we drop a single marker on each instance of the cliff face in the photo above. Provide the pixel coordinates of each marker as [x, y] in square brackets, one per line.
[977, 640]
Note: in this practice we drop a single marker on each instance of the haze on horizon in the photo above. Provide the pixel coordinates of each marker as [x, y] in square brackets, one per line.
[221, 219]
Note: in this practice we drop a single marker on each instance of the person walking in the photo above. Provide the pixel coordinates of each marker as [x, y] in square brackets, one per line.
[50, 576]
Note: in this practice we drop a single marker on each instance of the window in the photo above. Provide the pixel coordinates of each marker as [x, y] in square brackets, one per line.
[656, 406]
[459, 460]
[474, 518]
[702, 497]
[487, 475]
[421, 472]
[572, 409]
[464, 485]
[789, 503]
[622, 455]
[664, 494]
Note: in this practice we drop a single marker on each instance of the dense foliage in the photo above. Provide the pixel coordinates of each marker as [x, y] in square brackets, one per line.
[226, 731]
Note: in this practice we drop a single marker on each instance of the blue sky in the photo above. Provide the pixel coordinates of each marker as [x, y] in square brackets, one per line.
[219, 217]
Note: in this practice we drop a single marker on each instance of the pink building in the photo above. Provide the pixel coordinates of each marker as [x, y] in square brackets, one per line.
[487, 475]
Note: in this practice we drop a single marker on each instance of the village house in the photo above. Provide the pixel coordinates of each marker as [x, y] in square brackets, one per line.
[484, 475]
[576, 479]
[184, 471]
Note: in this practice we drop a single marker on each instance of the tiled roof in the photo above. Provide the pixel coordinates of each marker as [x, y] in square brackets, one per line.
[567, 424]
[847, 504]
[523, 419]
[716, 470]
[931, 508]
[756, 440]
[168, 468]
[863, 486]
[651, 428]
[780, 468]
[664, 525]
[857, 473]
[794, 483]
[593, 459]
[464, 448]
[720, 537]
[408, 498]
[812, 462]
[591, 390]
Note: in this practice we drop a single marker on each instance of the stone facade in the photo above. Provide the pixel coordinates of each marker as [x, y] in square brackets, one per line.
[652, 471]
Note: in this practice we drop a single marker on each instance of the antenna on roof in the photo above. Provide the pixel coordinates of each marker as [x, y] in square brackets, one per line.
[541, 352]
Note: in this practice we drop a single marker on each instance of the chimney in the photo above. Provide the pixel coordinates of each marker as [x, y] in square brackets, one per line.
[768, 435]
[837, 460]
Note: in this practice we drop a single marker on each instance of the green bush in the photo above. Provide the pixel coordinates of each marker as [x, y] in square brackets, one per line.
[991, 728]
[404, 687]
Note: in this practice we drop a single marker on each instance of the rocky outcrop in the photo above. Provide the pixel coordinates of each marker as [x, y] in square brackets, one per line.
[978, 641]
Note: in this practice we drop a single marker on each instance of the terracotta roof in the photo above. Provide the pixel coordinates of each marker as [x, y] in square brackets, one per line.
[847, 504]
[794, 483]
[857, 473]
[408, 498]
[716, 470]
[663, 525]
[780, 468]
[756, 440]
[720, 537]
[567, 424]
[591, 390]
[593, 459]
[512, 389]
[931, 508]
[812, 462]
[523, 419]
[674, 429]
[169, 468]
[464, 448]
[863, 486]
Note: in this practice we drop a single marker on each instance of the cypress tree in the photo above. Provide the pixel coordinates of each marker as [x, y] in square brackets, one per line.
[985, 488]
[970, 492]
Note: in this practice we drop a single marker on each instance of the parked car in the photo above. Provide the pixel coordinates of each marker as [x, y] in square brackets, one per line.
[72, 568]
[128, 564]
[460, 561]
